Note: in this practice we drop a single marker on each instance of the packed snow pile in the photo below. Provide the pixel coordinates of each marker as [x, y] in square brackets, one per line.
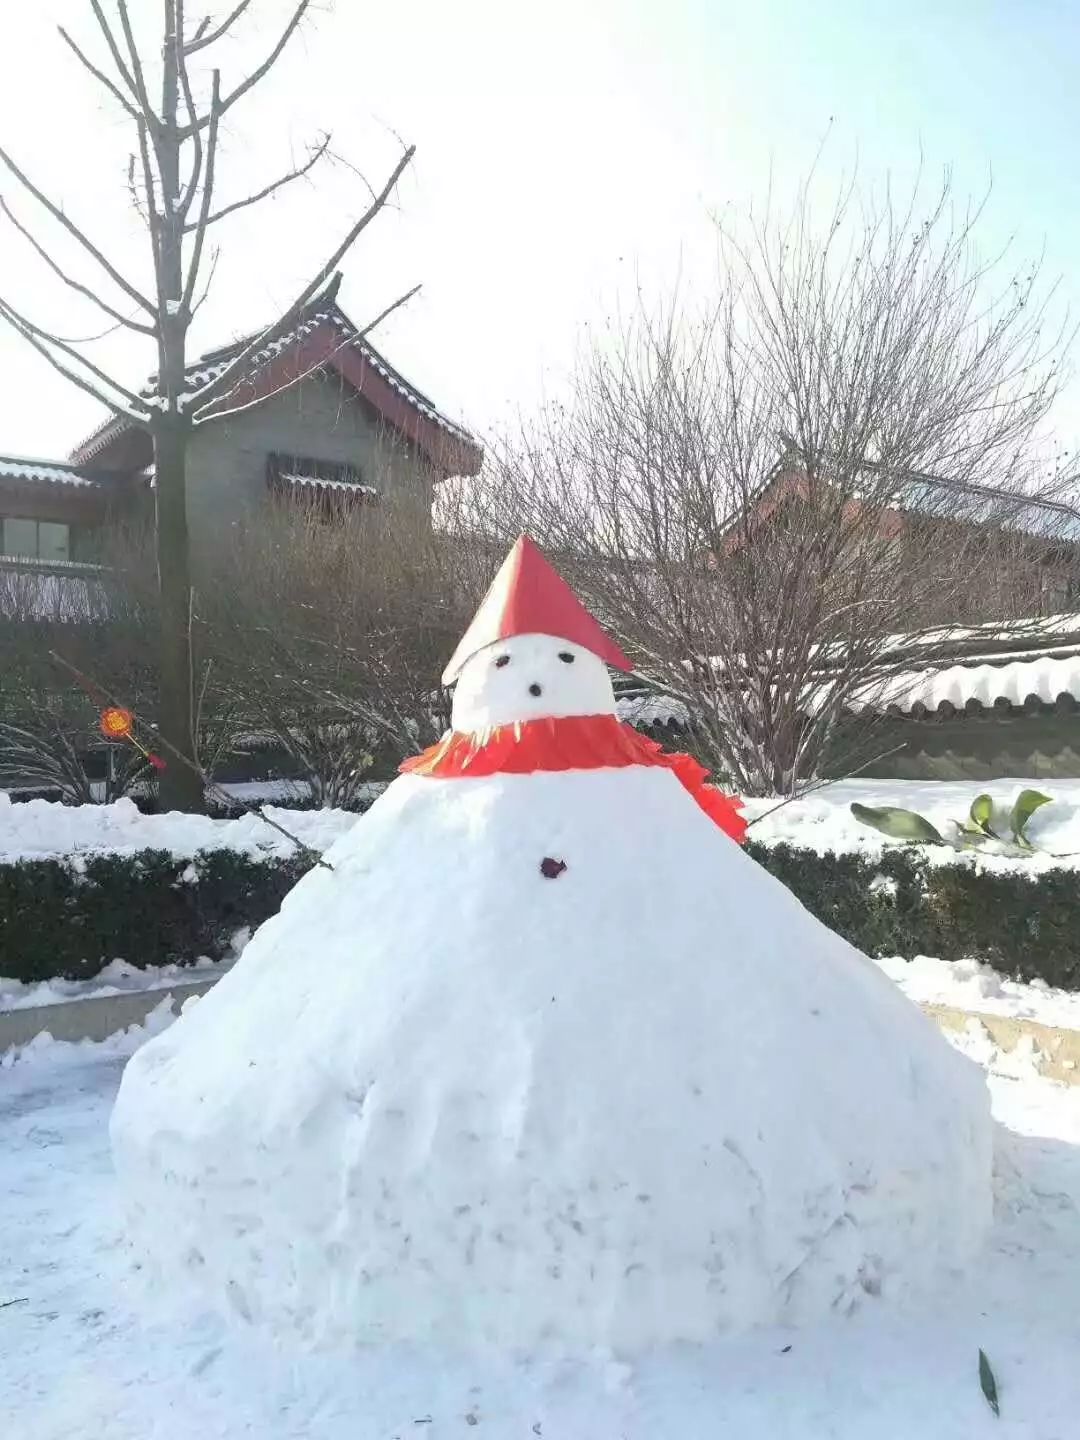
[45, 829]
[545, 1058]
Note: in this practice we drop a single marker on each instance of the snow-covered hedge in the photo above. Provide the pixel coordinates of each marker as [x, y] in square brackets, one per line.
[69, 917]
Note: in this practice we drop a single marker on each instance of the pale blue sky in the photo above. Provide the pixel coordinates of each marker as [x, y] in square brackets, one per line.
[565, 151]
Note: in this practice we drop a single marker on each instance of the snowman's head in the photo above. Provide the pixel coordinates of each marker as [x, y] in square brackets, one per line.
[526, 678]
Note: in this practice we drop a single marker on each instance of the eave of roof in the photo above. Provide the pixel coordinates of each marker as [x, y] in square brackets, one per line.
[47, 472]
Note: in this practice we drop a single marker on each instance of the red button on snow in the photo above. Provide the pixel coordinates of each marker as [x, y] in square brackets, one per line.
[551, 869]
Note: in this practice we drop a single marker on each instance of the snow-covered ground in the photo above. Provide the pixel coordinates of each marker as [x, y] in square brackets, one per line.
[964, 984]
[44, 829]
[971, 985]
[82, 1361]
[822, 820]
[116, 978]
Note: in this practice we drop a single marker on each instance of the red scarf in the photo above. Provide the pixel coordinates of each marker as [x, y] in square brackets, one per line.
[572, 742]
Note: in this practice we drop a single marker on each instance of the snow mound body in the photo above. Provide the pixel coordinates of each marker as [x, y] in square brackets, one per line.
[443, 1097]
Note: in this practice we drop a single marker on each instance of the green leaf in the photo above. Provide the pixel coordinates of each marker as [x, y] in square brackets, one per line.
[898, 824]
[1027, 802]
[988, 1383]
[982, 812]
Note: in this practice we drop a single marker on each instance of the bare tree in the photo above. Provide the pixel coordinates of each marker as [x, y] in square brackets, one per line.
[845, 443]
[329, 622]
[172, 181]
[49, 735]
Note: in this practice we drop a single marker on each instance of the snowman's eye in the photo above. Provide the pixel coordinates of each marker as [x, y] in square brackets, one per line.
[566, 657]
[501, 661]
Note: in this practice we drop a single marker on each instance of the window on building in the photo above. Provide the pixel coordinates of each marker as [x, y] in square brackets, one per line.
[1056, 592]
[48, 540]
[300, 473]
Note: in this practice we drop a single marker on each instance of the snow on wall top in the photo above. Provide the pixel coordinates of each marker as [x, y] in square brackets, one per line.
[651, 710]
[1045, 678]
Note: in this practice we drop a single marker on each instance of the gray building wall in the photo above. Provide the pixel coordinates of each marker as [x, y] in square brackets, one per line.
[320, 418]
[988, 745]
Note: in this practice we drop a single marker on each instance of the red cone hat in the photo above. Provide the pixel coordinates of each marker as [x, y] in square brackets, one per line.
[527, 597]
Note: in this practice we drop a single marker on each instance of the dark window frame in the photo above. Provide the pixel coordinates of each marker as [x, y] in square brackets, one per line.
[71, 531]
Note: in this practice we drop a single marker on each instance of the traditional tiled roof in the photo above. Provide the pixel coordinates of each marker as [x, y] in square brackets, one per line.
[916, 492]
[323, 336]
[645, 710]
[1044, 680]
[1033, 514]
[47, 472]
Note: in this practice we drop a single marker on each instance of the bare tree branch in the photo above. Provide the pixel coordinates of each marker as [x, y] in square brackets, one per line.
[196, 135]
[204, 36]
[73, 284]
[153, 215]
[208, 191]
[313, 159]
[237, 368]
[136, 202]
[214, 258]
[257, 74]
[114, 48]
[138, 79]
[77, 234]
[27, 326]
[137, 417]
[99, 75]
[389, 310]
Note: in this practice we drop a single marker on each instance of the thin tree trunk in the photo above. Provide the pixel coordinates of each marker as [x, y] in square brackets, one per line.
[180, 787]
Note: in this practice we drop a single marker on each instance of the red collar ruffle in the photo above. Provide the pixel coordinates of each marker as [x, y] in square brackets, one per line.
[573, 742]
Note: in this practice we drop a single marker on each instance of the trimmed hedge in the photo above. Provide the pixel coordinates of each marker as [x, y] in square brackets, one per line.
[1027, 925]
[71, 918]
[59, 918]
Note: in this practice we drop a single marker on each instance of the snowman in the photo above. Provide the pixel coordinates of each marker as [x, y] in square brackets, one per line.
[542, 1057]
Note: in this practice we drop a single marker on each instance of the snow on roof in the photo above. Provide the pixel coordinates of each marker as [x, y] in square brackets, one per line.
[316, 482]
[49, 472]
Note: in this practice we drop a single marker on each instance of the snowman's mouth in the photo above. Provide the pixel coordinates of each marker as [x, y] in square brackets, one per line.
[535, 689]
